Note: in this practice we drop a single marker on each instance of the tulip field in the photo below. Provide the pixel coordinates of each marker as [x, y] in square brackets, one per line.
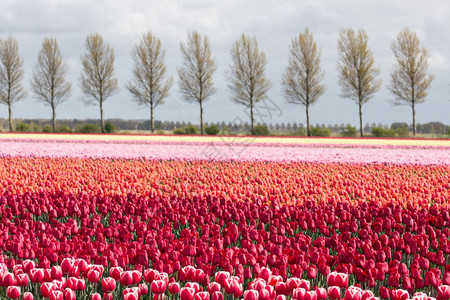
[216, 218]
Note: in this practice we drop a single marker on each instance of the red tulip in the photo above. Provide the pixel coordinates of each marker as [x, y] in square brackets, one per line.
[126, 278]
[217, 296]
[298, 293]
[96, 296]
[281, 288]
[399, 295]
[174, 288]
[264, 294]
[22, 279]
[47, 288]
[137, 276]
[221, 276]
[67, 265]
[281, 297]
[443, 292]
[108, 296]
[384, 293]
[9, 279]
[202, 296]
[213, 287]
[28, 265]
[311, 272]
[13, 292]
[366, 295]
[352, 294]
[37, 275]
[251, 295]
[149, 275]
[310, 295]
[56, 295]
[143, 288]
[321, 293]
[27, 296]
[69, 294]
[293, 283]
[131, 296]
[108, 284]
[265, 273]
[159, 286]
[187, 293]
[93, 276]
[115, 272]
[334, 292]
[56, 272]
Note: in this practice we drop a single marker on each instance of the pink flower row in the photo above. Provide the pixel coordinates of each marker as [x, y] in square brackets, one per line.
[227, 151]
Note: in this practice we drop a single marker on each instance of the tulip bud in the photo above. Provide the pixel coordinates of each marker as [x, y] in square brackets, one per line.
[126, 278]
[298, 293]
[22, 279]
[108, 284]
[321, 293]
[27, 296]
[37, 275]
[131, 296]
[174, 288]
[149, 275]
[67, 265]
[281, 288]
[187, 293]
[69, 294]
[56, 295]
[443, 292]
[311, 272]
[217, 296]
[9, 279]
[384, 293]
[13, 292]
[281, 297]
[96, 296]
[399, 295]
[213, 287]
[56, 272]
[47, 288]
[334, 292]
[202, 296]
[251, 295]
[143, 288]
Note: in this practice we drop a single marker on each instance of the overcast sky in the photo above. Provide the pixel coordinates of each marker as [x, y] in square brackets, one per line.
[273, 23]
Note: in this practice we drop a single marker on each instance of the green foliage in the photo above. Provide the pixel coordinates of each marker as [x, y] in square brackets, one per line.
[88, 128]
[402, 131]
[212, 130]
[381, 132]
[299, 132]
[23, 127]
[178, 131]
[64, 128]
[191, 129]
[348, 131]
[160, 131]
[319, 131]
[261, 129]
[110, 127]
[47, 128]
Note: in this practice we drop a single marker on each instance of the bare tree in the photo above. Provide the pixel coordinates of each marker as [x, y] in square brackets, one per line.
[356, 72]
[49, 82]
[301, 80]
[246, 75]
[147, 85]
[97, 76]
[11, 75]
[409, 79]
[195, 76]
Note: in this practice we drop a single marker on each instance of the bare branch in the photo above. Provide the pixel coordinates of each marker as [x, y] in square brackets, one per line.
[11, 75]
[147, 84]
[246, 77]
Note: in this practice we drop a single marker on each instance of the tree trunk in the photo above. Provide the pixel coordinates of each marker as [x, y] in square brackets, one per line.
[201, 117]
[361, 133]
[152, 120]
[102, 122]
[54, 118]
[10, 118]
[414, 119]
[251, 119]
[308, 129]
